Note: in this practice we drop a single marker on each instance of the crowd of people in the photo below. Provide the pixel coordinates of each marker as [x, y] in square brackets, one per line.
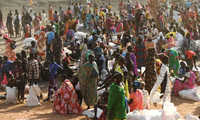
[140, 43]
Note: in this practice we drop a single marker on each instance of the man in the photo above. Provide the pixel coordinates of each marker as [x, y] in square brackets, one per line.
[61, 14]
[50, 36]
[191, 58]
[163, 80]
[129, 7]
[43, 18]
[33, 71]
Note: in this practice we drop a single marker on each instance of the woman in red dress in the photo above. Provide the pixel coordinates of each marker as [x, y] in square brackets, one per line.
[66, 100]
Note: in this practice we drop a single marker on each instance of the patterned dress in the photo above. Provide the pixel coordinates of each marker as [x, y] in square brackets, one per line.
[140, 55]
[41, 43]
[9, 52]
[57, 49]
[88, 84]
[66, 100]
[150, 74]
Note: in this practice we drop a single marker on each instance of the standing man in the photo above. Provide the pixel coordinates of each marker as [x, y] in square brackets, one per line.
[33, 70]
[61, 14]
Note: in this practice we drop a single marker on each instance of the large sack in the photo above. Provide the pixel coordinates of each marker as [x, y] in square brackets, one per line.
[90, 113]
[191, 117]
[150, 115]
[32, 98]
[28, 40]
[78, 37]
[169, 111]
[11, 95]
[133, 115]
[114, 39]
[79, 26]
[156, 98]
[28, 44]
[37, 89]
[80, 34]
[191, 94]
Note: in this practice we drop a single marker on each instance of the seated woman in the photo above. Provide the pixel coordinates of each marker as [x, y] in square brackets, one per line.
[181, 70]
[187, 83]
[66, 100]
[136, 97]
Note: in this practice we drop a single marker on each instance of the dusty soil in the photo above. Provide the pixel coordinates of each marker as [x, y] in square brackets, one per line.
[44, 112]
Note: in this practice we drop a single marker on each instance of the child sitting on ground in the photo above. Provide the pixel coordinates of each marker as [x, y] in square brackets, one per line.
[145, 96]
[76, 86]
[18, 75]
[102, 104]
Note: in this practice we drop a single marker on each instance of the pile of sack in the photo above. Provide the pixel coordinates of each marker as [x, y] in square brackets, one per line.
[169, 112]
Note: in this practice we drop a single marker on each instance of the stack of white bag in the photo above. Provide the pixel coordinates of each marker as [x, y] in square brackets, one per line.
[28, 41]
[90, 113]
[32, 97]
[168, 113]
[11, 95]
[191, 94]
[79, 35]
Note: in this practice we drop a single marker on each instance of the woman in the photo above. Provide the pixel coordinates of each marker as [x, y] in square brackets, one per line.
[150, 73]
[188, 83]
[50, 13]
[10, 53]
[9, 24]
[41, 43]
[66, 100]
[136, 97]
[1, 24]
[140, 54]
[57, 48]
[174, 64]
[36, 23]
[88, 75]
[17, 25]
[116, 100]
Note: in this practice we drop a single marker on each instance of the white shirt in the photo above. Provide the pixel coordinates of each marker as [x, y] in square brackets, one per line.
[44, 17]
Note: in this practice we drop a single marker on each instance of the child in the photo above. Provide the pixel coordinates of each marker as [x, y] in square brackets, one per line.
[48, 52]
[53, 68]
[76, 86]
[102, 104]
[145, 96]
[18, 75]
[33, 47]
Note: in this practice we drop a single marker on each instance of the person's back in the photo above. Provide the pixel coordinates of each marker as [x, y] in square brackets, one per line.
[137, 100]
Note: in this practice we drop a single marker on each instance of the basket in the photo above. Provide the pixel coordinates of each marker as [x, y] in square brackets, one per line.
[150, 45]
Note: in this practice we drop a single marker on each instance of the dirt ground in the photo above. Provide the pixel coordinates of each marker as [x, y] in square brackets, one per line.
[44, 112]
